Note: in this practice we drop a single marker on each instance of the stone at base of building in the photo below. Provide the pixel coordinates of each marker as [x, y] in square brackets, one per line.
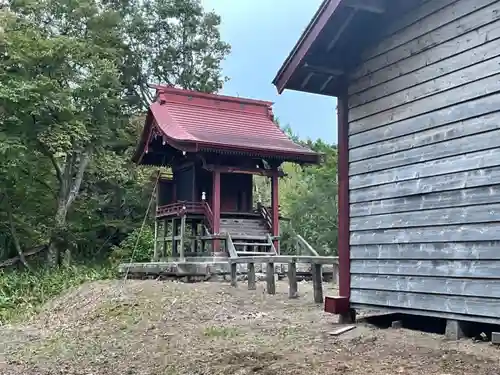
[455, 329]
[348, 317]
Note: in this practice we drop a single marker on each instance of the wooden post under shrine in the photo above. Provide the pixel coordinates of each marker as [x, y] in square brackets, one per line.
[275, 209]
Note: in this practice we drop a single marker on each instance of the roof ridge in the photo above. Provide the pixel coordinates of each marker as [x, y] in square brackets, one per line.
[227, 98]
[269, 115]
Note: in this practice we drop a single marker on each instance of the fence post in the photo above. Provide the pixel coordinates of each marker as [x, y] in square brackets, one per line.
[317, 276]
[271, 285]
[251, 276]
[292, 280]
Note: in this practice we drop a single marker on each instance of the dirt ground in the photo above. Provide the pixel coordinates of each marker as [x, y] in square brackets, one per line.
[154, 327]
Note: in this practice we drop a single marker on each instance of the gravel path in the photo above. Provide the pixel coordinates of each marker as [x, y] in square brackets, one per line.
[150, 327]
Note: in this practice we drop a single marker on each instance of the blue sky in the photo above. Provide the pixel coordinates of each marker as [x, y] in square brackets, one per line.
[261, 34]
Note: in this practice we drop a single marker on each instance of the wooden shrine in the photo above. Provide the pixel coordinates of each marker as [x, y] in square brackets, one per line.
[214, 145]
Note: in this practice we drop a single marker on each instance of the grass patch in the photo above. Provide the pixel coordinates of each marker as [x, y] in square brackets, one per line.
[225, 332]
[22, 293]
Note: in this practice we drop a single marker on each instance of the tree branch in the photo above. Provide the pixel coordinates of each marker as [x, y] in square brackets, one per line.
[82, 166]
[45, 151]
[15, 239]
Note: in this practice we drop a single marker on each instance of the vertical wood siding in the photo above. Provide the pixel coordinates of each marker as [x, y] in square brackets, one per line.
[424, 164]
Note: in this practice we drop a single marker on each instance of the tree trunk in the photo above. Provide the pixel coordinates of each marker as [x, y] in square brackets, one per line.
[58, 237]
[70, 179]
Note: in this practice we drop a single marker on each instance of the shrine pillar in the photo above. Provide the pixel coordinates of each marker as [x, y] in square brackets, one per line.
[216, 209]
[275, 208]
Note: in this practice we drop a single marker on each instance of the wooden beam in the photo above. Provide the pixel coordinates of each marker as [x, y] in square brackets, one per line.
[243, 170]
[317, 276]
[251, 276]
[183, 234]
[285, 259]
[271, 282]
[340, 30]
[275, 210]
[306, 80]
[326, 83]
[323, 69]
[292, 280]
[373, 6]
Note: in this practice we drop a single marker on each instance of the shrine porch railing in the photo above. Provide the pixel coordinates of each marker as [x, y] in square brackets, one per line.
[181, 208]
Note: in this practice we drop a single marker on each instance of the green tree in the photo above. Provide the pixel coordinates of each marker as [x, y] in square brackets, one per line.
[72, 75]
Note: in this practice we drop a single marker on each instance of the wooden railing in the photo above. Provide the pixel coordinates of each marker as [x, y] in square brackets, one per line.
[209, 215]
[264, 212]
[176, 209]
[305, 245]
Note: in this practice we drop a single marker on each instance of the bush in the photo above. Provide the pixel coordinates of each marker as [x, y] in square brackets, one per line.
[137, 247]
[22, 293]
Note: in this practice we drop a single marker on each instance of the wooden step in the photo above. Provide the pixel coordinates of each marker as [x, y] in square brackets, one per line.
[251, 244]
[248, 238]
[252, 253]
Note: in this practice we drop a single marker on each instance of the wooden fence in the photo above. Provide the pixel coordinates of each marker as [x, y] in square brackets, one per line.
[316, 267]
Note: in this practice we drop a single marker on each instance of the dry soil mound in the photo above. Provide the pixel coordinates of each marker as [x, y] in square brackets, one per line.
[149, 327]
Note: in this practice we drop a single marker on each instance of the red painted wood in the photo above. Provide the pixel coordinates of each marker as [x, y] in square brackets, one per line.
[275, 208]
[343, 186]
[192, 122]
[216, 208]
[336, 305]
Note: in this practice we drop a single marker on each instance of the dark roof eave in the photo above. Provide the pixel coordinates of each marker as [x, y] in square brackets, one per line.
[292, 62]
[306, 156]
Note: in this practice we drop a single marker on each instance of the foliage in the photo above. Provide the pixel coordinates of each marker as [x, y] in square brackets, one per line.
[74, 80]
[24, 293]
[136, 247]
[309, 200]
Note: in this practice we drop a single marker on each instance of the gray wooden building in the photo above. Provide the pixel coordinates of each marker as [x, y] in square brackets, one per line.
[418, 88]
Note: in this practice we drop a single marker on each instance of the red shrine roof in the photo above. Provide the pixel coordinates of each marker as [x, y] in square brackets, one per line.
[193, 121]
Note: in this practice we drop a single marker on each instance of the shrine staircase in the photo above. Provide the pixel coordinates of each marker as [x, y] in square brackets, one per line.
[249, 236]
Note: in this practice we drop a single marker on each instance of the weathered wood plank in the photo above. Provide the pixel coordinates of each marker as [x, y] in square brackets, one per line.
[483, 250]
[317, 278]
[453, 198]
[458, 233]
[432, 217]
[234, 275]
[478, 269]
[469, 127]
[417, 22]
[464, 60]
[446, 50]
[489, 13]
[454, 164]
[292, 280]
[251, 276]
[341, 330]
[434, 184]
[468, 306]
[409, 20]
[432, 285]
[428, 104]
[285, 259]
[420, 90]
[270, 280]
[454, 114]
[451, 148]
[437, 314]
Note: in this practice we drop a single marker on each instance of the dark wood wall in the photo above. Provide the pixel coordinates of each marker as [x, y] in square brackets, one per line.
[236, 192]
[192, 181]
[184, 183]
[165, 192]
[424, 164]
